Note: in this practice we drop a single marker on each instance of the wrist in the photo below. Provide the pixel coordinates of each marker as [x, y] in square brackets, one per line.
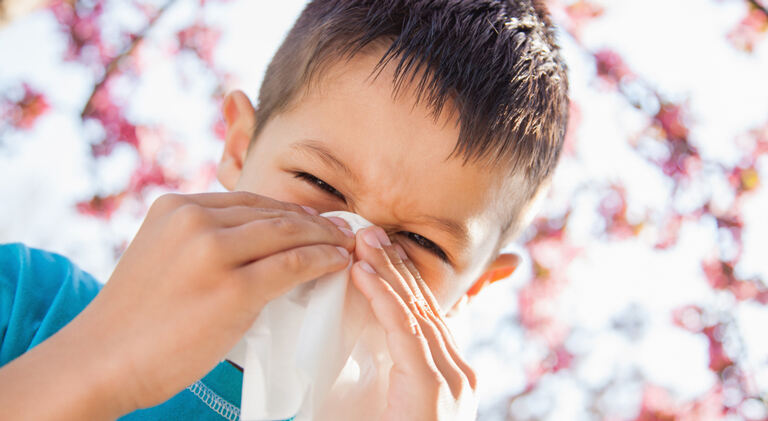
[88, 356]
[94, 375]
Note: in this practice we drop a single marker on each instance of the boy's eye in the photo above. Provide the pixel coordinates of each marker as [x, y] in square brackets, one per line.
[319, 183]
[426, 244]
[416, 238]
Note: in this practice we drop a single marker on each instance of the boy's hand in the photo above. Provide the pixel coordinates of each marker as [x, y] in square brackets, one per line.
[429, 380]
[193, 280]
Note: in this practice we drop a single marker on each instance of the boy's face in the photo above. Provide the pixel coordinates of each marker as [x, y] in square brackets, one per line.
[348, 145]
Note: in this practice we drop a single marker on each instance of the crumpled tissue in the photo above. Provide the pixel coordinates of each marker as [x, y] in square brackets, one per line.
[315, 353]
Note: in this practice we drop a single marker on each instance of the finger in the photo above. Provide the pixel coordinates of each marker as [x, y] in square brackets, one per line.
[431, 312]
[409, 273]
[442, 357]
[453, 349]
[407, 345]
[239, 214]
[244, 198]
[440, 349]
[432, 304]
[339, 222]
[268, 278]
[262, 237]
[371, 246]
[435, 314]
[233, 216]
[404, 278]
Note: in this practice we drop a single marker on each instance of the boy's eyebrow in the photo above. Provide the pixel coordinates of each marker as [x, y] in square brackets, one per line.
[323, 153]
[457, 231]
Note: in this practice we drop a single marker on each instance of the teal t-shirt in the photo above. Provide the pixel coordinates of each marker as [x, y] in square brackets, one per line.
[41, 291]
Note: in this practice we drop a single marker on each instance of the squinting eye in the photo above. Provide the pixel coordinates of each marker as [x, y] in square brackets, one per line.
[319, 183]
[416, 238]
[426, 244]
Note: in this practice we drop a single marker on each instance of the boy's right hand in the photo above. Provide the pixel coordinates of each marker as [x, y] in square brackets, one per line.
[193, 280]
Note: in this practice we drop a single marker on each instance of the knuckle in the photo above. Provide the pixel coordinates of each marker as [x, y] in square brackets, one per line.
[413, 303]
[415, 273]
[400, 266]
[423, 307]
[190, 217]
[257, 200]
[285, 226]
[249, 198]
[296, 260]
[211, 245]
[167, 202]
[425, 321]
[292, 207]
[409, 323]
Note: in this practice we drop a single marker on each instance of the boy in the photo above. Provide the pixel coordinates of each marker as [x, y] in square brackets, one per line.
[439, 121]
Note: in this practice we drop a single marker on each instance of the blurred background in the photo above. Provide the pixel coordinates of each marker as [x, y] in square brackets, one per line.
[643, 291]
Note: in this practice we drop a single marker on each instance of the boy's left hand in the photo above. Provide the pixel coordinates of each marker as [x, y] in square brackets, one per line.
[429, 380]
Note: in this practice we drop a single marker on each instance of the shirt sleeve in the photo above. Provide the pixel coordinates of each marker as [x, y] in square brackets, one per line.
[40, 292]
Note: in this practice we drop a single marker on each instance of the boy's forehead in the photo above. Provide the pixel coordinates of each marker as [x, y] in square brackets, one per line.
[350, 73]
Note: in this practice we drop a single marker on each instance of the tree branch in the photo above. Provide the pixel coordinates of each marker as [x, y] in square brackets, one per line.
[113, 65]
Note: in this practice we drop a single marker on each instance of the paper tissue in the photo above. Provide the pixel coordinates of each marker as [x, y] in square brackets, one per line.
[315, 353]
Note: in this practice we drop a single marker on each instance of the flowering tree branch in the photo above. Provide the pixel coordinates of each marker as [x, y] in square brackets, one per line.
[113, 65]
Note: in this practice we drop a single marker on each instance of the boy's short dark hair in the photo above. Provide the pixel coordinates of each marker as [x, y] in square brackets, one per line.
[496, 60]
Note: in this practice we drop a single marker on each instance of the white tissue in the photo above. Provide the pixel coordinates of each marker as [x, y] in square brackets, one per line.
[315, 353]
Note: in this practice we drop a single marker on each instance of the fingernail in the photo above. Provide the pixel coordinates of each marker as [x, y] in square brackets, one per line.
[383, 237]
[338, 221]
[370, 238]
[342, 225]
[343, 252]
[366, 267]
[401, 252]
[313, 211]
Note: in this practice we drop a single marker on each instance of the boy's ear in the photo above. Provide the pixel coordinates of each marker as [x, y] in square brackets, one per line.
[503, 266]
[239, 116]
